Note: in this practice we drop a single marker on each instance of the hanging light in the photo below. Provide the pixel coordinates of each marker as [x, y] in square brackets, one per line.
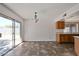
[63, 17]
[36, 17]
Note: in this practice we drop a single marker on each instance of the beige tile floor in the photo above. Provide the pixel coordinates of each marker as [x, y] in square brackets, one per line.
[42, 48]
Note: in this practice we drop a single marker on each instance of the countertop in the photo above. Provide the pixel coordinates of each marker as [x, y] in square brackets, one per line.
[66, 33]
[76, 36]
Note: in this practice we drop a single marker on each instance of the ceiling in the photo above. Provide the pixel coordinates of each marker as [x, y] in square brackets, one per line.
[26, 10]
[74, 17]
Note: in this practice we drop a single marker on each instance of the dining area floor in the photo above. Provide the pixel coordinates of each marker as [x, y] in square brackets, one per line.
[42, 48]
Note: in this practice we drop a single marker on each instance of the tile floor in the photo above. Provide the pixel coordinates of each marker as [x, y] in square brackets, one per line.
[42, 48]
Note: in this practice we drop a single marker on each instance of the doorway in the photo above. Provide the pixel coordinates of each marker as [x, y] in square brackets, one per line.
[9, 34]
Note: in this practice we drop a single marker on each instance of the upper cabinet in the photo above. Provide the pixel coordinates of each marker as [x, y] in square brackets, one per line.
[60, 25]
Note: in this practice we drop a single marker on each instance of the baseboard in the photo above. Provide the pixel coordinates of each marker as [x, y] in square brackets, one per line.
[39, 41]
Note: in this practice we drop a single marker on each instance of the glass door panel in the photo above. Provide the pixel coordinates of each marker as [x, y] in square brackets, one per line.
[5, 35]
[17, 33]
[9, 34]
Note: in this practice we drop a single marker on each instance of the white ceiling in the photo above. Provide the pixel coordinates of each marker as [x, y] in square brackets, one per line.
[26, 10]
[74, 17]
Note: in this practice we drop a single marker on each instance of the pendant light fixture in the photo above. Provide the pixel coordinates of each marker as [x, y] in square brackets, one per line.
[63, 17]
[36, 17]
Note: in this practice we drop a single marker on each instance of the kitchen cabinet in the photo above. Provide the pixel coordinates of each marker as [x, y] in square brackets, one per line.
[60, 25]
[65, 38]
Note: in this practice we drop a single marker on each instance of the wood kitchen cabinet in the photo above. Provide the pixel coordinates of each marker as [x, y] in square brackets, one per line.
[60, 25]
[65, 38]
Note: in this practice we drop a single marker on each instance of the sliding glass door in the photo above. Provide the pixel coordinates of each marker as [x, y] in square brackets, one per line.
[9, 34]
[17, 33]
[5, 35]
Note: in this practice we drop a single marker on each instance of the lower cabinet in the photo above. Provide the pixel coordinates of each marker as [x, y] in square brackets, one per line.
[65, 38]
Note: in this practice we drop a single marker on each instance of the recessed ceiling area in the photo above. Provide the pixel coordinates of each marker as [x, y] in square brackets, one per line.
[74, 17]
[26, 10]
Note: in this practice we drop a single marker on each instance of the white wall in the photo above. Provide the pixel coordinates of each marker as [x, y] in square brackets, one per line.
[45, 29]
[7, 12]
